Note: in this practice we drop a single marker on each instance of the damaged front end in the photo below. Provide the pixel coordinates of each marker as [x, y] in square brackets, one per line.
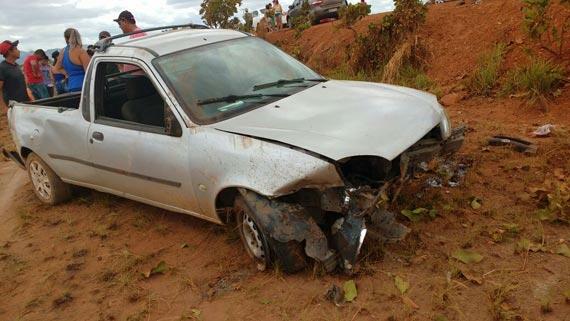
[332, 223]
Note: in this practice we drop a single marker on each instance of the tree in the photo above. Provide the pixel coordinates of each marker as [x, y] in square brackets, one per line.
[217, 13]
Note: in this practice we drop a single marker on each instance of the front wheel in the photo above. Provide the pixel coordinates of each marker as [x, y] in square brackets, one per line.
[48, 187]
[253, 239]
[264, 250]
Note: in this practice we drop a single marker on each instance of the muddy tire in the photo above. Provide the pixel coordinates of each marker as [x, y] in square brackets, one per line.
[289, 257]
[48, 187]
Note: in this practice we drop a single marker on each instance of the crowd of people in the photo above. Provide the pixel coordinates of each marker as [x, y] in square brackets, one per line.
[39, 77]
[274, 15]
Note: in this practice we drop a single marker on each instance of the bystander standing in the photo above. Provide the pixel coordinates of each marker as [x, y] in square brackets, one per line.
[12, 81]
[33, 74]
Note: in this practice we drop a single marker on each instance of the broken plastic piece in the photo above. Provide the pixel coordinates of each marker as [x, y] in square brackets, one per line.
[543, 131]
[518, 144]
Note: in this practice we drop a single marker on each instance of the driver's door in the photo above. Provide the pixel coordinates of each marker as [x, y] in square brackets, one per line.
[136, 143]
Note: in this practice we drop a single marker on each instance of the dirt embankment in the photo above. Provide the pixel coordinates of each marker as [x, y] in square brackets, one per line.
[455, 34]
[86, 259]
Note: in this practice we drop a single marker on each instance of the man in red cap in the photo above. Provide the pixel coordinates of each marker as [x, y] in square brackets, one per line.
[12, 81]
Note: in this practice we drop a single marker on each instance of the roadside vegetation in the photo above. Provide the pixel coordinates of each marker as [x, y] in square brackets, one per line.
[352, 13]
[540, 24]
[486, 76]
[537, 80]
[303, 21]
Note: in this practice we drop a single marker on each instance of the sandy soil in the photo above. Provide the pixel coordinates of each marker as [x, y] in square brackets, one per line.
[86, 259]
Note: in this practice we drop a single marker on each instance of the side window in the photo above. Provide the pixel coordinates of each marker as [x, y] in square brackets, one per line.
[126, 97]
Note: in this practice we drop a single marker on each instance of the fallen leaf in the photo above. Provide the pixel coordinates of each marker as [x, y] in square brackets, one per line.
[184, 245]
[544, 214]
[401, 285]
[350, 292]
[522, 246]
[196, 313]
[563, 249]
[159, 268]
[473, 278]
[467, 256]
[414, 215]
[475, 203]
[525, 245]
[407, 301]
[567, 295]
[559, 173]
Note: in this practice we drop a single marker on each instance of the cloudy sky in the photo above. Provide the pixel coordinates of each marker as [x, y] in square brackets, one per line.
[40, 23]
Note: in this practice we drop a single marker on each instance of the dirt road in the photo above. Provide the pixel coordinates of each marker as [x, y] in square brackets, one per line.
[86, 259]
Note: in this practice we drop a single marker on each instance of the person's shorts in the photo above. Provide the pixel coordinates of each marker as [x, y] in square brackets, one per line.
[39, 91]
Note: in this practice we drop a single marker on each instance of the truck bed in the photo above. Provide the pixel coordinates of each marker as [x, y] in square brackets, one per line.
[70, 100]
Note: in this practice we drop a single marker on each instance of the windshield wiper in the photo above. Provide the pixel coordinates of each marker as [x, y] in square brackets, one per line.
[234, 98]
[281, 82]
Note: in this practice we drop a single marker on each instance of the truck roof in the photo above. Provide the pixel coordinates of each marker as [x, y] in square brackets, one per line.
[162, 43]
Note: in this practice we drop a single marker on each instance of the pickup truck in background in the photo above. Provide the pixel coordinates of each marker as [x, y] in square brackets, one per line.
[186, 120]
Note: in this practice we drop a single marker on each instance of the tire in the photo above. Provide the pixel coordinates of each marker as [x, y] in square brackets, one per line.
[289, 257]
[48, 187]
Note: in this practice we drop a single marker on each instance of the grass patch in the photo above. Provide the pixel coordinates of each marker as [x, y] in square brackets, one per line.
[538, 80]
[343, 72]
[416, 78]
[500, 309]
[485, 77]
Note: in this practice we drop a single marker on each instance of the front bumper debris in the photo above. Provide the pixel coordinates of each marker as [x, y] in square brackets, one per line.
[361, 211]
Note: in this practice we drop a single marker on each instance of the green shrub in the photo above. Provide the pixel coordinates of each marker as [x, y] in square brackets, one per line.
[540, 24]
[353, 12]
[373, 50]
[539, 79]
[303, 21]
[535, 20]
[486, 76]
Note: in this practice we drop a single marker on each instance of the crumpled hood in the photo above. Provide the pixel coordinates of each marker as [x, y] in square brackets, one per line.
[340, 119]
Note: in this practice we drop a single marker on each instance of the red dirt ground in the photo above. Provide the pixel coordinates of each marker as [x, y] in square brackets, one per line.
[84, 260]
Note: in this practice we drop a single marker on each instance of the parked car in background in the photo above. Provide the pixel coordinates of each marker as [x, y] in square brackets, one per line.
[320, 9]
[260, 13]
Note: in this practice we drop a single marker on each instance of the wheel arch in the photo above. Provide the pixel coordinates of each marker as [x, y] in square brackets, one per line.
[25, 152]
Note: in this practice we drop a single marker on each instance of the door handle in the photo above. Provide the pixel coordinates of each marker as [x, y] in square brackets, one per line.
[97, 136]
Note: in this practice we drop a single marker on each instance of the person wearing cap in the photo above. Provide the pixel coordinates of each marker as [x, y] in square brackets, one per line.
[128, 24]
[104, 34]
[12, 81]
[33, 74]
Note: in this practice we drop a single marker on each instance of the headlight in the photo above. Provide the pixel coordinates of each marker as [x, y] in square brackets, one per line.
[445, 124]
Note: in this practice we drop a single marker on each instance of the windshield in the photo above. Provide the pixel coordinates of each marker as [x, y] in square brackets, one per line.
[227, 75]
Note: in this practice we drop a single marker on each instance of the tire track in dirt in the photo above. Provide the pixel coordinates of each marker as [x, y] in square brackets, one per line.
[12, 179]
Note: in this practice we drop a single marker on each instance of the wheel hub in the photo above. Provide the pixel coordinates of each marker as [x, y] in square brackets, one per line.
[40, 179]
[252, 237]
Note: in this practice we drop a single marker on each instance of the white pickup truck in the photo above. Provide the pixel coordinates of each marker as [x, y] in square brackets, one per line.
[223, 126]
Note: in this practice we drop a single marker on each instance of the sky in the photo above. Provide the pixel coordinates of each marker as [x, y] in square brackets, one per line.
[40, 23]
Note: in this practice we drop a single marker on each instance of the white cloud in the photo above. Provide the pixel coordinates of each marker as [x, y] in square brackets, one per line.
[40, 23]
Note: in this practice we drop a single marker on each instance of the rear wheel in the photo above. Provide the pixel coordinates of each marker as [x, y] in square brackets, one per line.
[262, 248]
[48, 187]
